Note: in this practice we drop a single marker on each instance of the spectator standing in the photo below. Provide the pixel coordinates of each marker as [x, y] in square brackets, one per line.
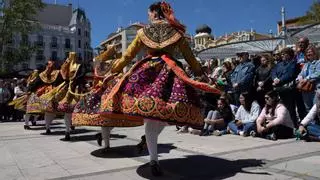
[310, 74]
[263, 82]
[242, 76]
[283, 76]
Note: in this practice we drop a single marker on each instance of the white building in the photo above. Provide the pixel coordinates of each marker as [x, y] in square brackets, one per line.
[63, 29]
[122, 38]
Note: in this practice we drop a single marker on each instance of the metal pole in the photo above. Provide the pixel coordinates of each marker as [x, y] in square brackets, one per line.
[284, 29]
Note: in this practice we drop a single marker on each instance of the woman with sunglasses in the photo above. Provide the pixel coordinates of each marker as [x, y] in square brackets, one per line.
[274, 122]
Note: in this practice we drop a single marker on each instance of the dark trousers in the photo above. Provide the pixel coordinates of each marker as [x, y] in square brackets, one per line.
[281, 132]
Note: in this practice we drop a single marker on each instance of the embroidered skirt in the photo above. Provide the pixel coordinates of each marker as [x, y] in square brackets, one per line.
[155, 89]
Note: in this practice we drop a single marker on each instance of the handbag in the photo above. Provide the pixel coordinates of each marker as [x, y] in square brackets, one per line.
[305, 86]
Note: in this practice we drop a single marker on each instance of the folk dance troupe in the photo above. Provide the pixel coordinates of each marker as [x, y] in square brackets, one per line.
[155, 92]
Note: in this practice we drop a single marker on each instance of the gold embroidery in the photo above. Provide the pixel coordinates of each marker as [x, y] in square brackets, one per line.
[53, 76]
[158, 36]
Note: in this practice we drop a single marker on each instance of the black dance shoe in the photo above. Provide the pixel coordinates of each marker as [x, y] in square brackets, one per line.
[155, 169]
[99, 139]
[67, 136]
[48, 131]
[142, 144]
[26, 127]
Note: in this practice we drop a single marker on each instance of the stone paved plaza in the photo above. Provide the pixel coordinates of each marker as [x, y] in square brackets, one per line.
[33, 155]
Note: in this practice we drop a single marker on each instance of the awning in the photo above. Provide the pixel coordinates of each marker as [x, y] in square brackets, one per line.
[230, 50]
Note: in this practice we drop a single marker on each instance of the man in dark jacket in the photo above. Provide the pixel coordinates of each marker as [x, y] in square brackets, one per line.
[242, 76]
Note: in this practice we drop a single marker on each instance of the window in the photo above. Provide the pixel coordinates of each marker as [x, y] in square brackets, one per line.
[54, 42]
[79, 32]
[79, 44]
[39, 55]
[54, 55]
[67, 43]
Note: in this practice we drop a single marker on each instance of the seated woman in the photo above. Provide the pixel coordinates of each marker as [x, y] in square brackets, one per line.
[274, 121]
[218, 119]
[245, 119]
[311, 123]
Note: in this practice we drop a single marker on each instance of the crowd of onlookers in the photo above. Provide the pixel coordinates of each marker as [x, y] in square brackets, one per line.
[268, 95]
[11, 89]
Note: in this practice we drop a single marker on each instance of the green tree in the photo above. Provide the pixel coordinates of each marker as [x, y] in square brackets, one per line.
[16, 18]
[313, 14]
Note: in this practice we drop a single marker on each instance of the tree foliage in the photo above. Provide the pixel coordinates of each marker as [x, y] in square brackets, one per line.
[16, 18]
[313, 14]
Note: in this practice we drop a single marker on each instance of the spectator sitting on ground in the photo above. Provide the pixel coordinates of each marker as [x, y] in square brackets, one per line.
[274, 122]
[218, 119]
[311, 123]
[246, 116]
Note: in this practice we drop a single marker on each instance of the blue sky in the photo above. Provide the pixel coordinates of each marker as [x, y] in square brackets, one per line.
[223, 16]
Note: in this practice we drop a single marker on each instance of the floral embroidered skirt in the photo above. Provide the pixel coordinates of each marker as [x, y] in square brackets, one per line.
[86, 111]
[155, 89]
[34, 104]
[58, 100]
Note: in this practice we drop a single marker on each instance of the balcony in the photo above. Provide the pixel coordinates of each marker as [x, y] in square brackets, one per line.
[39, 44]
[54, 45]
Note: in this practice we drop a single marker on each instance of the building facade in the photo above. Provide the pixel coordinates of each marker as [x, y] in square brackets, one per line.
[62, 30]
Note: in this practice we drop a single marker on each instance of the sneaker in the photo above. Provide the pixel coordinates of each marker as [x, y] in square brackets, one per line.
[253, 133]
[217, 133]
[241, 133]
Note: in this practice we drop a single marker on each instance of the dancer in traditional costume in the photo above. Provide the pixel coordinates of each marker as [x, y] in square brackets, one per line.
[87, 109]
[43, 83]
[20, 103]
[156, 90]
[62, 99]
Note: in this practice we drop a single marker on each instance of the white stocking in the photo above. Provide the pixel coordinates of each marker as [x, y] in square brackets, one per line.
[152, 131]
[26, 118]
[67, 121]
[105, 133]
[48, 117]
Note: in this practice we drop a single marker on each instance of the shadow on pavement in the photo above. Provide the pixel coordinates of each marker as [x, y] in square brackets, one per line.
[59, 133]
[201, 167]
[92, 137]
[129, 151]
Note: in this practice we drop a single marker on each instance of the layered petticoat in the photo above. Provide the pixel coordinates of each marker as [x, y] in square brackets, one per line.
[156, 89]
